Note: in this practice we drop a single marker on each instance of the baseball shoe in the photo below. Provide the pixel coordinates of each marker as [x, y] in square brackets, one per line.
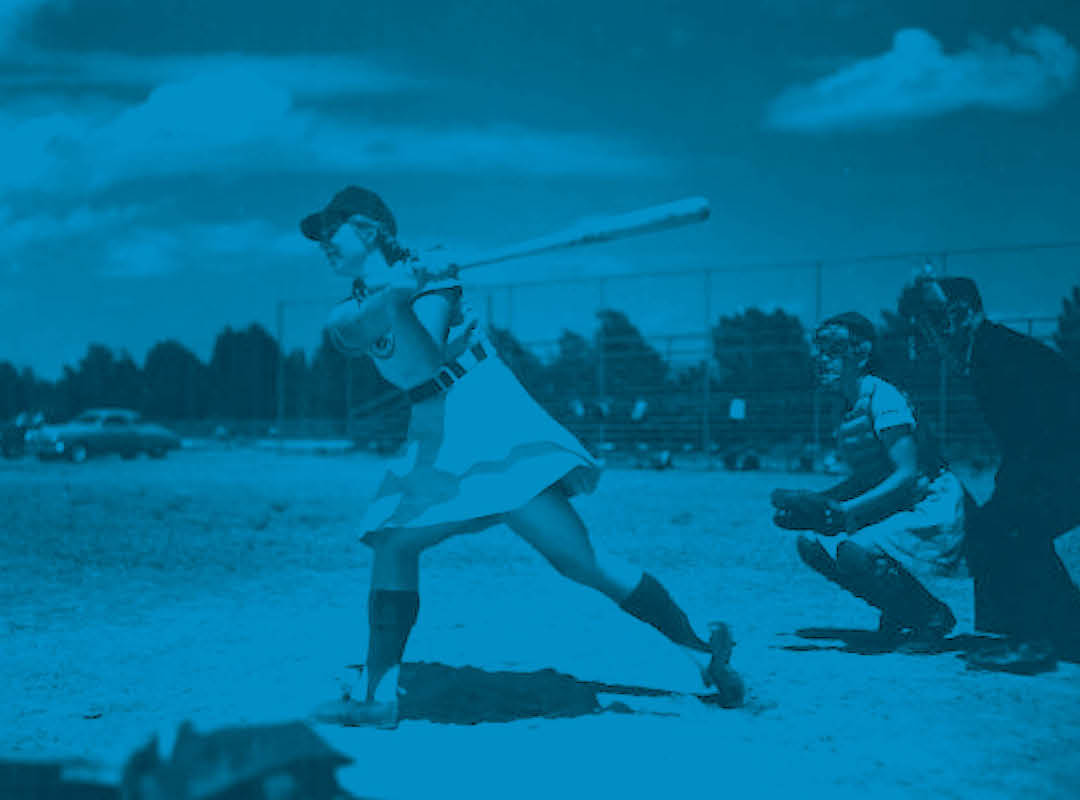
[355, 714]
[718, 674]
[918, 639]
[1021, 658]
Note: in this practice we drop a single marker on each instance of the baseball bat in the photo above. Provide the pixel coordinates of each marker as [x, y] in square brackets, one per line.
[595, 230]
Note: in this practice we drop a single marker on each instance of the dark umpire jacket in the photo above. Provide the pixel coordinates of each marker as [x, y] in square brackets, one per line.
[1029, 396]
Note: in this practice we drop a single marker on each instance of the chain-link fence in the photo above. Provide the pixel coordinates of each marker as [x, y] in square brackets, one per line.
[712, 366]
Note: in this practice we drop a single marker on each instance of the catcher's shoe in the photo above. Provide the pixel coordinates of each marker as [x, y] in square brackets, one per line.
[718, 674]
[926, 638]
[889, 628]
[354, 713]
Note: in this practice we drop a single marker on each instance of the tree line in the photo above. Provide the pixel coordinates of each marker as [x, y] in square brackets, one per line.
[614, 380]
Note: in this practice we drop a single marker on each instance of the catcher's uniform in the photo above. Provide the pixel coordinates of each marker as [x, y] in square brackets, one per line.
[927, 531]
[478, 445]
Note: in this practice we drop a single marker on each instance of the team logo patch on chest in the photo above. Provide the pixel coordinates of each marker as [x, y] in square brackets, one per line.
[383, 347]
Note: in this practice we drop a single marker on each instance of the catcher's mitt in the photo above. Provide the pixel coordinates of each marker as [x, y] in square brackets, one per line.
[800, 510]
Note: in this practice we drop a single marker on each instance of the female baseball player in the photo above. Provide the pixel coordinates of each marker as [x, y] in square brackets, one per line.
[900, 504]
[479, 452]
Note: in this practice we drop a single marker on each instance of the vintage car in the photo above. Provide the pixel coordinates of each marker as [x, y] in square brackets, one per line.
[13, 434]
[104, 430]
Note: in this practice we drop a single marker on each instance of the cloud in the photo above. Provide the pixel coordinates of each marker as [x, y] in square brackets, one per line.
[18, 232]
[917, 78]
[306, 75]
[232, 117]
[12, 15]
[143, 253]
[228, 247]
[239, 117]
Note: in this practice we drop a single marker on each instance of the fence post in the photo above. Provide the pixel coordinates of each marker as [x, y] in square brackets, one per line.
[348, 397]
[943, 382]
[706, 376]
[817, 389]
[280, 416]
[601, 371]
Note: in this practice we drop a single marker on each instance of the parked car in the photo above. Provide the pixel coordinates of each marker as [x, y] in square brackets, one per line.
[104, 430]
[13, 434]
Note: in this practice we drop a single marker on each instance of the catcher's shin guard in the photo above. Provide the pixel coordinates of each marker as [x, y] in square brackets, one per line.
[651, 603]
[884, 583]
[815, 556]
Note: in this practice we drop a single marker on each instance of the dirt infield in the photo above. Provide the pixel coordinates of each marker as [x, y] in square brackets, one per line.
[228, 587]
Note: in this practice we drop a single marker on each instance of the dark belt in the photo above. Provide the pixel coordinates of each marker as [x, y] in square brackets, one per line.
[449, 374]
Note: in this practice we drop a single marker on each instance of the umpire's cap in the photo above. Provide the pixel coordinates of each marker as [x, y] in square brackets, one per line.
[322, 225]
[929, 297]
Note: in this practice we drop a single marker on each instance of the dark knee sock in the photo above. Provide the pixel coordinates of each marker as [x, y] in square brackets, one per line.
[651, 603]
[391, 616]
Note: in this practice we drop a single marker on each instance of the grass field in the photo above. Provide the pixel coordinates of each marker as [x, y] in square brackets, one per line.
[228, 587]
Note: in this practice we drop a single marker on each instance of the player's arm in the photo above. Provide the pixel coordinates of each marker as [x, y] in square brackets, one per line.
[848, 488]
[894, 492]
[355, 324]
[433, 310]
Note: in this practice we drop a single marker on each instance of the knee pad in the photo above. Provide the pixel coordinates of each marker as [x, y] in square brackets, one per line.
[858, 561]
[852, 558]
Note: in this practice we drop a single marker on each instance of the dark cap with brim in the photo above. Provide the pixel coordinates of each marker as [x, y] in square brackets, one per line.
[350, 201]
[857, 326]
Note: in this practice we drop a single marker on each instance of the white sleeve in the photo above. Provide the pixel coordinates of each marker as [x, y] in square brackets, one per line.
[889, 408]
[438, 285]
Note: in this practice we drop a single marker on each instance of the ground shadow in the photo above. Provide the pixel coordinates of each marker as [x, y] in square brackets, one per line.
[469, 695]
[870, 642]
[50, 780]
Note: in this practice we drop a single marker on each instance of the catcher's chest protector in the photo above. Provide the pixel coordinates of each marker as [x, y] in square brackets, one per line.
[878, 406]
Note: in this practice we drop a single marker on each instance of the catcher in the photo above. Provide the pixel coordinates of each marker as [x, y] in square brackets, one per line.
[479, 452]
[1029, 396]
[899, 510]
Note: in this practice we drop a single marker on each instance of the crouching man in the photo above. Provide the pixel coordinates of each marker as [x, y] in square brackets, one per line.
[1029, 396]
[899, 510]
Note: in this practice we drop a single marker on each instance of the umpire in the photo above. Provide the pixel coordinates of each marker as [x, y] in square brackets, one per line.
[1029, 396]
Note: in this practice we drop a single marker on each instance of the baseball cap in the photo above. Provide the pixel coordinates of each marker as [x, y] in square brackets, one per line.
[323, 224]
[858, 326]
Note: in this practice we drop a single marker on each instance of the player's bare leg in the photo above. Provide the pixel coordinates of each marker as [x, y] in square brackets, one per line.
[393, 606]
[551, 525]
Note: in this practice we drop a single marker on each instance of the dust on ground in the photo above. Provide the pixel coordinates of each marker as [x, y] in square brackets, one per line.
[228, 587]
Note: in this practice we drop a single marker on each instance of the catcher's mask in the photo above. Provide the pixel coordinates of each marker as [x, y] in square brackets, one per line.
[944, 313]
[843, 345]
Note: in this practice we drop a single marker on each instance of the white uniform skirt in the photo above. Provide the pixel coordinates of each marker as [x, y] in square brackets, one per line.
[480, 449]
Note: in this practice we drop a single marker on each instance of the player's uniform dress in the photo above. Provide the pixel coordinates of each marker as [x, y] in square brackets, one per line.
[478, 445]
[928, 532]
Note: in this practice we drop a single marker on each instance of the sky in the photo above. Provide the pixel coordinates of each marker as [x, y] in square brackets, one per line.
[159, 155]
